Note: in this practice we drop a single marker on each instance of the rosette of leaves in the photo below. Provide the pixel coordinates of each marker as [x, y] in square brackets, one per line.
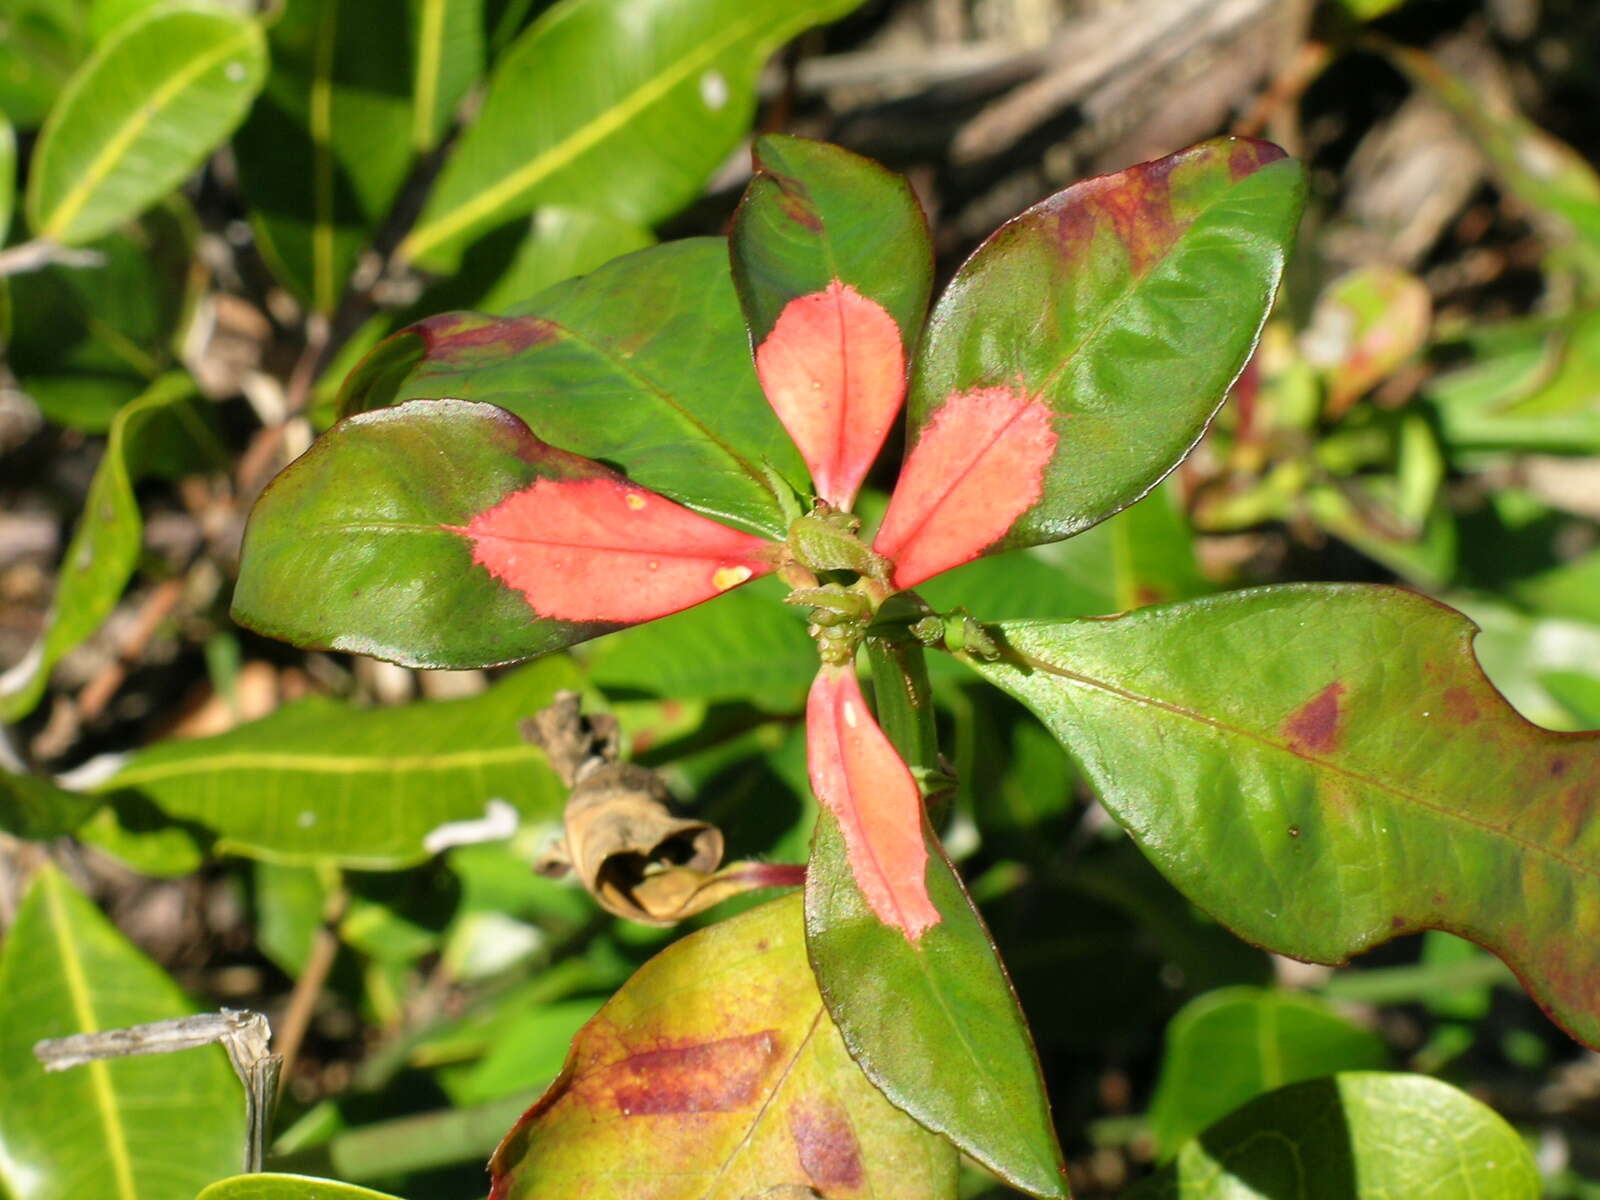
[1307, 763]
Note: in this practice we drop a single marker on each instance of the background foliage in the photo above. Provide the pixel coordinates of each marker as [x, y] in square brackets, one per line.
[214, 213]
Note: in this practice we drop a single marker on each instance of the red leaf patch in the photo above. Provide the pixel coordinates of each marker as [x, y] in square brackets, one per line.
[835, 373]
[977, 467]
[857, 774]
[603, 549]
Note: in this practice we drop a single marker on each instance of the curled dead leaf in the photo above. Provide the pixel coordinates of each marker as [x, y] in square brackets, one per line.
[633, 854]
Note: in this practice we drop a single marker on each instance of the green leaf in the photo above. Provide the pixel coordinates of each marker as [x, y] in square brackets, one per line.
[287, 1187]
[1323, 768]
[745, 645]
[642, 364]
[104, 548]
[155, 1127]
[31, 807]
[833, 262]
[86, 340]
[626, 107]
[440, 532]
[1231, 1045]
[324, 150]
[43, 42]
[142, 113]
[105, 17]
[1580, 694]
[1092, 337]
[815, 213]
[1355, 1134]
[318, 781]
[934, 1023]
[447, 57]
[746, 1061]
[932, 1018]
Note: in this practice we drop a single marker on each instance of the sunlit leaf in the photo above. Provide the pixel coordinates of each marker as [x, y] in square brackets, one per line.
[833, 264]
[442, 533]
[287, 1187]
[139, 115]
[739, 1086]
[626, 107]
[642, 364]
[105, 546]
[1231, 1045]
[1323, 768]
[319, 781]
[324, 150]
[447, 56]
[1354, 1134]
[1079, 353]
[908, 970]
[155, 1127]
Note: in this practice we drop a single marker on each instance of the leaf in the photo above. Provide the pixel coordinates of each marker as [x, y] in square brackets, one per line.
[739, 1086]
[746, 645]
[931, 1017]
[833, 263]
[625, 107]
[105, 546]
[865, 786]
[1366, 324]
[1323, 768]
[319, 782]
[35, 808]
[1231, 1045]
[1080, 352]
[163, 92]
[8, 174]
[642, 364]
[42, 45]
[441, 533]
[287, 1187]
[156, 1127]
[85, 341]
[1361, 1133]
[324, 151]
[447, 57]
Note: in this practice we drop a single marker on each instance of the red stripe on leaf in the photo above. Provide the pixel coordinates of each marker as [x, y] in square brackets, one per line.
[835, 373]
[858, 776]
[978, 466]
[606, 550]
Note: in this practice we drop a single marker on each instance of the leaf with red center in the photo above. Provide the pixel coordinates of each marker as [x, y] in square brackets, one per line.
[602, 549]
[1323, 768]
[834, 373]
[862, 781]
[643, 364]
[441, 533]
[978, 466]
[932, 1018]
[715, 1074]
[833, 266]
[1123, 307]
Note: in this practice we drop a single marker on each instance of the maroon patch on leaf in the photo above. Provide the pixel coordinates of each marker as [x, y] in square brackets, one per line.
[826, 1145]
[1314, 727]
[1249, 155]
[978, 466]
[709, 1077]
[603, 549]
[834, 371]
[455, 334]
[1460, 705]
